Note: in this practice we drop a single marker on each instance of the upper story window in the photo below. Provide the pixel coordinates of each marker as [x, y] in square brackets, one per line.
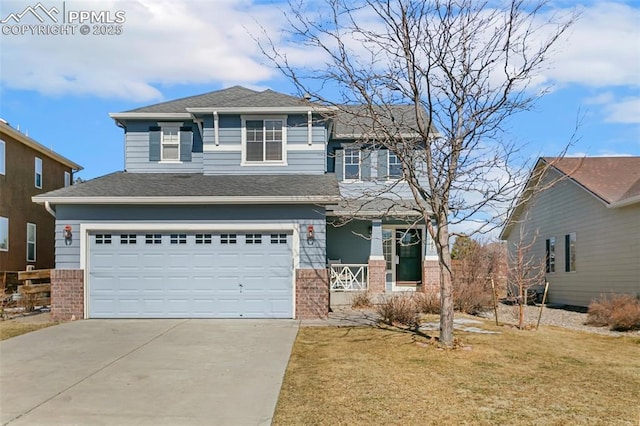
[351, 164]
[2, 158]
[265, 140]
[38, 170]
[4, 234]
[170, 143]
[67, 179]
[395, 166]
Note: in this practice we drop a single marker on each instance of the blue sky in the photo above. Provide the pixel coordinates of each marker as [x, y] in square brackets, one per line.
[60, 88]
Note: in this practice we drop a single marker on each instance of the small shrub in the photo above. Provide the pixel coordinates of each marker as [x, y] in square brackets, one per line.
[472, 297]
[398, 309]
[620, 312]
[361, 300]
[427, 303]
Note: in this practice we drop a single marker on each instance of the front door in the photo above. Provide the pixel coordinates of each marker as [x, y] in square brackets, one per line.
[408, 255]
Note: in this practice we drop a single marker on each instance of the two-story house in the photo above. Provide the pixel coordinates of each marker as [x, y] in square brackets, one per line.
[232, 204]
[27, 168]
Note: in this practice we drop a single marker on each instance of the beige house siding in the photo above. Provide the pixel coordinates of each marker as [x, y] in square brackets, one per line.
[607, 243]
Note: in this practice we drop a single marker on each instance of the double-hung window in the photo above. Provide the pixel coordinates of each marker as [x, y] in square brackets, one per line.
[351, 164]
[31, 242]
[264, 140]
[170, 142]
[67, 179]
[38, 173]
[395, 166]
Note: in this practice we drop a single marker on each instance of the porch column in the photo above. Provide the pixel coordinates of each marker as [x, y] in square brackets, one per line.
[377, 264]
[430, 268]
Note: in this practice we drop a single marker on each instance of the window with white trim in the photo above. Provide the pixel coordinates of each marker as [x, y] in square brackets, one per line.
[31, 242]
[153, 239]
[38, 173]
[178, 239]
[278, 238]
[67, 179]
[550, 249]
[351, 164]
[253, 239]
[2, 158]
[4, 234]
[170, 150]
[103, 238]
[127, 238]
[570, 252]
[394, 166]
[264, 140]
[203, 238]
[228, 238]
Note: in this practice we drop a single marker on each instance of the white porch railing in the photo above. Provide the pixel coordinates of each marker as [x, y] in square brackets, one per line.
[349, 277]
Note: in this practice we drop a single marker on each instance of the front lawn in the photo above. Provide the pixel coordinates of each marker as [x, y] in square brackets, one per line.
[347, 376]
[13, 328]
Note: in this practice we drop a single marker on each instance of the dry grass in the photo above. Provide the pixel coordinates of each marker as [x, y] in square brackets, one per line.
[10, 328]
[363, 376]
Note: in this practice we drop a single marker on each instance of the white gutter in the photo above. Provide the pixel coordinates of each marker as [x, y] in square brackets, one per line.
[625, 202]
[320, 199]
[47, 207]
[263, 110]
[151, 115]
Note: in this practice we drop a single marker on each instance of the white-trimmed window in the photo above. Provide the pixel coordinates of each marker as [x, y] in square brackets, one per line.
[351, 164]
[550, 248]
[2, 158]
[31, 242]
[170, 148]
[67, 179]
[570, 252]
[264, 140]
[394, 166]
[38, 173]
[4, 234]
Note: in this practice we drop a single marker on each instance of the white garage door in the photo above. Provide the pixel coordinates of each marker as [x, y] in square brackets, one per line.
[190, 275]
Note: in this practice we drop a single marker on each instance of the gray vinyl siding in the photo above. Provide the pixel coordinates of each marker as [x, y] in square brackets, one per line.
[312, 253]
[298, 162]
[67, 256]
[349, 243]
[137, 156]
[607, 244]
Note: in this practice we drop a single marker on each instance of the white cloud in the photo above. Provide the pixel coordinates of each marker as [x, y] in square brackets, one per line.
[626, 111]
[169, 42]
[163, 42]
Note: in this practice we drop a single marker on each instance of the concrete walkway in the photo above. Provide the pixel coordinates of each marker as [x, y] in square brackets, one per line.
[145, 372]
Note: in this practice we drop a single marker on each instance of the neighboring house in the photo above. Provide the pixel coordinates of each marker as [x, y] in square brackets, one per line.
[28, 168]
[586, 225]
[229, 206]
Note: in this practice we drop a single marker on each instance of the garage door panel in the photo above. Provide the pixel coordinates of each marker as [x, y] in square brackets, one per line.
[201, 278]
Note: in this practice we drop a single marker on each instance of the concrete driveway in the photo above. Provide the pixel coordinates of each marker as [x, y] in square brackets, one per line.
[143, 372]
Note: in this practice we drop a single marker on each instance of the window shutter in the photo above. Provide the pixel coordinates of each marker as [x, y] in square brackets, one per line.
[186, 139]
[365, 164]
[339, 153]
[154, 143]
[383, 164]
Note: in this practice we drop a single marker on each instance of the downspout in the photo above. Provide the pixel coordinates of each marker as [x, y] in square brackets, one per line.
[47, 207]
[216, 126]
[309, 128]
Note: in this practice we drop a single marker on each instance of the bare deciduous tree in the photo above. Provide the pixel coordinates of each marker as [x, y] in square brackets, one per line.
[463, 68]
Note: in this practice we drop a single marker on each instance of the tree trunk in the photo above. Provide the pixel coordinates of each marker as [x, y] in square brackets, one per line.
[446, 290]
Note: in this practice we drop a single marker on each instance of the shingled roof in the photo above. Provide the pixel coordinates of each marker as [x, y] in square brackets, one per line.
[232, 97]
[357, 122]
[135, 188]
[612, 179]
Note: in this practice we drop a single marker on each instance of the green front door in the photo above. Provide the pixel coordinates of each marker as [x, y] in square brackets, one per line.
[409, 253]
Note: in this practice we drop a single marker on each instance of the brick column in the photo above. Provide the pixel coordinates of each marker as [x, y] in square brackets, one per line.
[312, 293]
[430, 277]
[67, 294]
[377, 275]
